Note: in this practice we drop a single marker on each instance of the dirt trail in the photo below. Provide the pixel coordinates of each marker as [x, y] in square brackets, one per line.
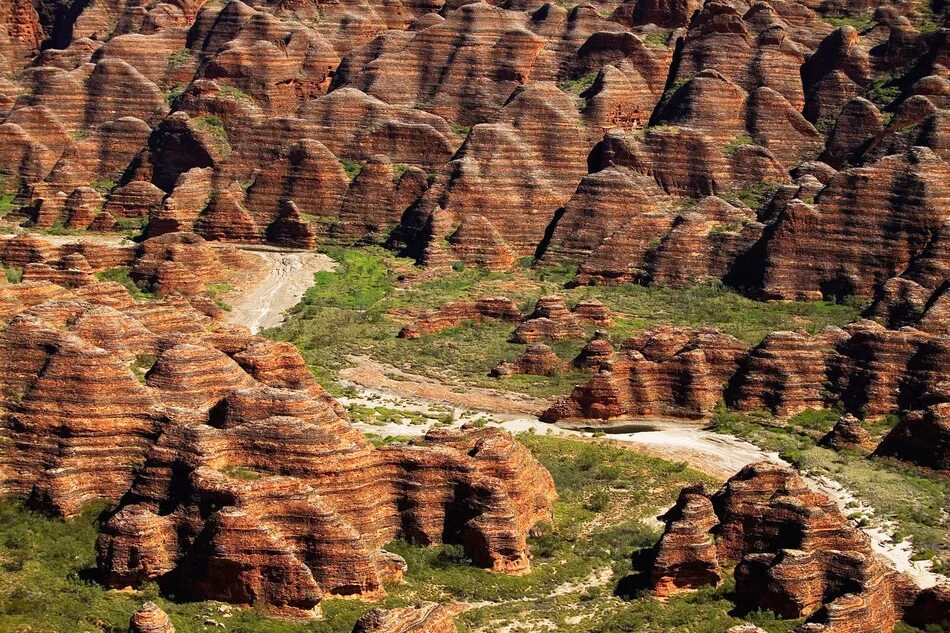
[367, 372]
[720, 456]
[290, 274]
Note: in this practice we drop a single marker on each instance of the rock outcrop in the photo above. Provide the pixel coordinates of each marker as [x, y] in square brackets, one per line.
[236, 476]
[537, 360]
[686, 557]
[663, 372]
[150, 619]
[848, 434]
[865, 369]
[921, 437]
[426, 617]
[797, 554]
[454, 314]
[551, 320]
[489, 134]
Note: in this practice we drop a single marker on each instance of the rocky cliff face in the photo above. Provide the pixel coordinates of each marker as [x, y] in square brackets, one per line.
[236, 477]
[796, 554]
[664, 372]
[865, 369]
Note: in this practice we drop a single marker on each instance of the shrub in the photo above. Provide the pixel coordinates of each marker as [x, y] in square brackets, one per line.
[740, 141]
[103, 185]
[861, 21]
[461, 130]
[121, 275]
[882, 91]
[214, 127]
[179, 58]
[141, 365]
[234, 93]
[578, 85]
[754, 196]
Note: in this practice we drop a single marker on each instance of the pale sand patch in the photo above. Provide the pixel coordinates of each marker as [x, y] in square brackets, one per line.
[290, 274]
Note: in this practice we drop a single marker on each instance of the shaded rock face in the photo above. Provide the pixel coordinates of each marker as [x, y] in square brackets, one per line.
[921, 437]
[686, 557]
[236, 476]
[893, 205]
[797, 554]
[663, 372]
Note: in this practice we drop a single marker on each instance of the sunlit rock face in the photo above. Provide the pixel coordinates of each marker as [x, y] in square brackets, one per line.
[236, 477]
[793, 550]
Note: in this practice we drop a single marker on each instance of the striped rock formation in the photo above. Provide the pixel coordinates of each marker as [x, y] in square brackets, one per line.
[797, 554]
[236, 477]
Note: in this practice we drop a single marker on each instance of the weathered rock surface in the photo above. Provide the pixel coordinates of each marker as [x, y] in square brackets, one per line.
[551, 320]
[865, 369]
[427, 617]
[537, 360]
[686, 557]
[921, 437]
[797, 554]
[848, 434]
[663, 372]
[236, 476]
[150, 619]
[487, 134]
[456, 313]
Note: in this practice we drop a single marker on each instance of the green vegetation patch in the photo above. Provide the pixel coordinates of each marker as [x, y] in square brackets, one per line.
[179, 58]
[754, 196]
[214, 126]
[352, 168]
[398, 170]
[860, 21]
[6, 202]
[657, 39]
[356, 309]
[13, 275]
[174, 91]
[131, 225]
[381, 415]
[103, 185]
[234, 93]
[121, 275]
[736, 143]
[461, 130]
[882, 91]
[141, 365]
[580, 84]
